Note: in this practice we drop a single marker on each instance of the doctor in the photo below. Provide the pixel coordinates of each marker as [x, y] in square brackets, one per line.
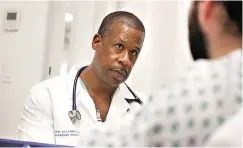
[59, 108]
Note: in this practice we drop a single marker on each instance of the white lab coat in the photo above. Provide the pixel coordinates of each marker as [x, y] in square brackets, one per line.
[45, 117]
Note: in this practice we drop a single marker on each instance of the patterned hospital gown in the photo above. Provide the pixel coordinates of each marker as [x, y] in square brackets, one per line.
[185, 113]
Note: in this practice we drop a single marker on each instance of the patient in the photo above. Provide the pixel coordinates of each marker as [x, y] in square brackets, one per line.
[189, 111]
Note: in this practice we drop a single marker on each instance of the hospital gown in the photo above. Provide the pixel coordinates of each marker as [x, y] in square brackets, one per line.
[185, 113]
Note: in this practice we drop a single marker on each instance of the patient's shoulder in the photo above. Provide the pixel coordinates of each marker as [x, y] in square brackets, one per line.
[229, 134]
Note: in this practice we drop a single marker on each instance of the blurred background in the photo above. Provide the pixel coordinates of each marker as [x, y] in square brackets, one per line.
[51, 36]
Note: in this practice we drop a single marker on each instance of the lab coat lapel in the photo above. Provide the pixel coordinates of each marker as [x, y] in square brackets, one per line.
[82, 97]
[119, 105]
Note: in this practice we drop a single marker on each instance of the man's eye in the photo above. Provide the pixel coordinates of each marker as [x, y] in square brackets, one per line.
[134, 52]
[119, 46]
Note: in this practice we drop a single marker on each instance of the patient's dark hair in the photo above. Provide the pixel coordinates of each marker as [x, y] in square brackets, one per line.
[234, 11]
[121, 17]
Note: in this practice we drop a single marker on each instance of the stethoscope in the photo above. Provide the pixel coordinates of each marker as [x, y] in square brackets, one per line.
[74, 114]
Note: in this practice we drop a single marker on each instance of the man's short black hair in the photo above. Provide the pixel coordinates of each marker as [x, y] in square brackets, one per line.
[121, 17]
[234, 11]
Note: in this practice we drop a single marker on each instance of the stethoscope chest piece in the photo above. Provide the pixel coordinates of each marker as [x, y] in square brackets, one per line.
[74, 115]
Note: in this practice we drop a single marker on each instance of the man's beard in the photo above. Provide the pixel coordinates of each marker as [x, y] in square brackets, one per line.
[197, 39]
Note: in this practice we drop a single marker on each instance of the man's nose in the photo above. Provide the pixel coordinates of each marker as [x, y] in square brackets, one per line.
[124, 58]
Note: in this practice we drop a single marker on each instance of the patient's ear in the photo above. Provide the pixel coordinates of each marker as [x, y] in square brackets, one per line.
[96, 43]
[206, 12]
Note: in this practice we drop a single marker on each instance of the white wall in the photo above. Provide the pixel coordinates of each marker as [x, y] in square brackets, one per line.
[87, 18]
[55, 36]
[22, 59]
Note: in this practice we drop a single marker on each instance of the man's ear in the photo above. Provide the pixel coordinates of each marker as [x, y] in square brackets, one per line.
[96, 43]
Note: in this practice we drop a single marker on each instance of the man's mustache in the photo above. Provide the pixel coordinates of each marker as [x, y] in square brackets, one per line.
[121, 71]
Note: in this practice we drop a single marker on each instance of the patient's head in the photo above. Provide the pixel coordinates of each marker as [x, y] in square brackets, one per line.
[215, 28]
